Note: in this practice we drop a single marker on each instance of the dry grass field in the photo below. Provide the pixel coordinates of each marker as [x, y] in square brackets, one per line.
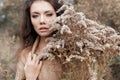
[106, 12]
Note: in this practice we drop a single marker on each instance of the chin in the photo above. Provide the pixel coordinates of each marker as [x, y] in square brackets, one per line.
[44, 34]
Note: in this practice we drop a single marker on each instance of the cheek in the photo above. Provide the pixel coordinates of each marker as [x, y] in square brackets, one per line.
[51, 19]
[54, 17]
[34, 22]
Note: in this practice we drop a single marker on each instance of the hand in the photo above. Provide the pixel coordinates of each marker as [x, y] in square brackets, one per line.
[32, 67]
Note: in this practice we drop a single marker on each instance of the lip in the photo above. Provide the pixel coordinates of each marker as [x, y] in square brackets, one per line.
[43, 29]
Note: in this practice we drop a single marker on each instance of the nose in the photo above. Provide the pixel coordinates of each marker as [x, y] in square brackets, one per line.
[42, 19]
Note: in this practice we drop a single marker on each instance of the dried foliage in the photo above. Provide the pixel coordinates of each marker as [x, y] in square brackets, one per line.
[104, 11]
[82, 45]
[9, 11]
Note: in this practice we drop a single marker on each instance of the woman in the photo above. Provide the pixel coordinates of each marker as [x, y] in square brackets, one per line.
[37, 17]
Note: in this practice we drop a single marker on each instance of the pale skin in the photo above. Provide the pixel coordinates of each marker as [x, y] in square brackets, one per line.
[32, 67]
[42, 14]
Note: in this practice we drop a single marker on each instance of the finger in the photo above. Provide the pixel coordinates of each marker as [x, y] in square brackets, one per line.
[29, 57]
[40, 64]
[34, 58]
[37, 60]
[29, 54]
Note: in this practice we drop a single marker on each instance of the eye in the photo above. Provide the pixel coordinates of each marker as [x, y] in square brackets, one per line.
[34, 16]
[49, 14]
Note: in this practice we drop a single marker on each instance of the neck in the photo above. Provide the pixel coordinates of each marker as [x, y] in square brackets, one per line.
[42, 43]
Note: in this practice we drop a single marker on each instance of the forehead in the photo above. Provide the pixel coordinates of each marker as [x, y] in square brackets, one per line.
[41, 6]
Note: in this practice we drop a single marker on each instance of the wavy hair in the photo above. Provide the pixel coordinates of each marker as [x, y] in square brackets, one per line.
[27, 32]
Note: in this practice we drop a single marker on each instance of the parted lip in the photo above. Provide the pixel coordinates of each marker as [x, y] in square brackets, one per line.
[43, 28]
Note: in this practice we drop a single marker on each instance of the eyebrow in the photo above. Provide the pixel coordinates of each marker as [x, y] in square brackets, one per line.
[35, 12]
[44, 12]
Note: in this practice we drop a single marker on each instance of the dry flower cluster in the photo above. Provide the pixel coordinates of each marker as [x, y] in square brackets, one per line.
[82, 45]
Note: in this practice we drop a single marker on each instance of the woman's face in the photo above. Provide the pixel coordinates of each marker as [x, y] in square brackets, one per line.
[42, 15]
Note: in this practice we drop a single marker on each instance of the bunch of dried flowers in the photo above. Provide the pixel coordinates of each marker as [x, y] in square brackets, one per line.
[82, 45]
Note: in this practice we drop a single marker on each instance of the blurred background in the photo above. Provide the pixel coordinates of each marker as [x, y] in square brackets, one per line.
[105, 12]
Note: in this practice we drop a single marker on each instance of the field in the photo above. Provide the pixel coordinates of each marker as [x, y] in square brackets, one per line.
[105, 12]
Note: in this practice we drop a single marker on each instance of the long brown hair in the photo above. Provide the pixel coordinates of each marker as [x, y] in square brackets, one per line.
[27, 32]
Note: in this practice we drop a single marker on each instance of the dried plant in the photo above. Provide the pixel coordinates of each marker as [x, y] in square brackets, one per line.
[83, 46]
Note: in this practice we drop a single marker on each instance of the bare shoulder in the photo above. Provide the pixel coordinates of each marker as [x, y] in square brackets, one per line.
[24, 53]
[26, 50]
